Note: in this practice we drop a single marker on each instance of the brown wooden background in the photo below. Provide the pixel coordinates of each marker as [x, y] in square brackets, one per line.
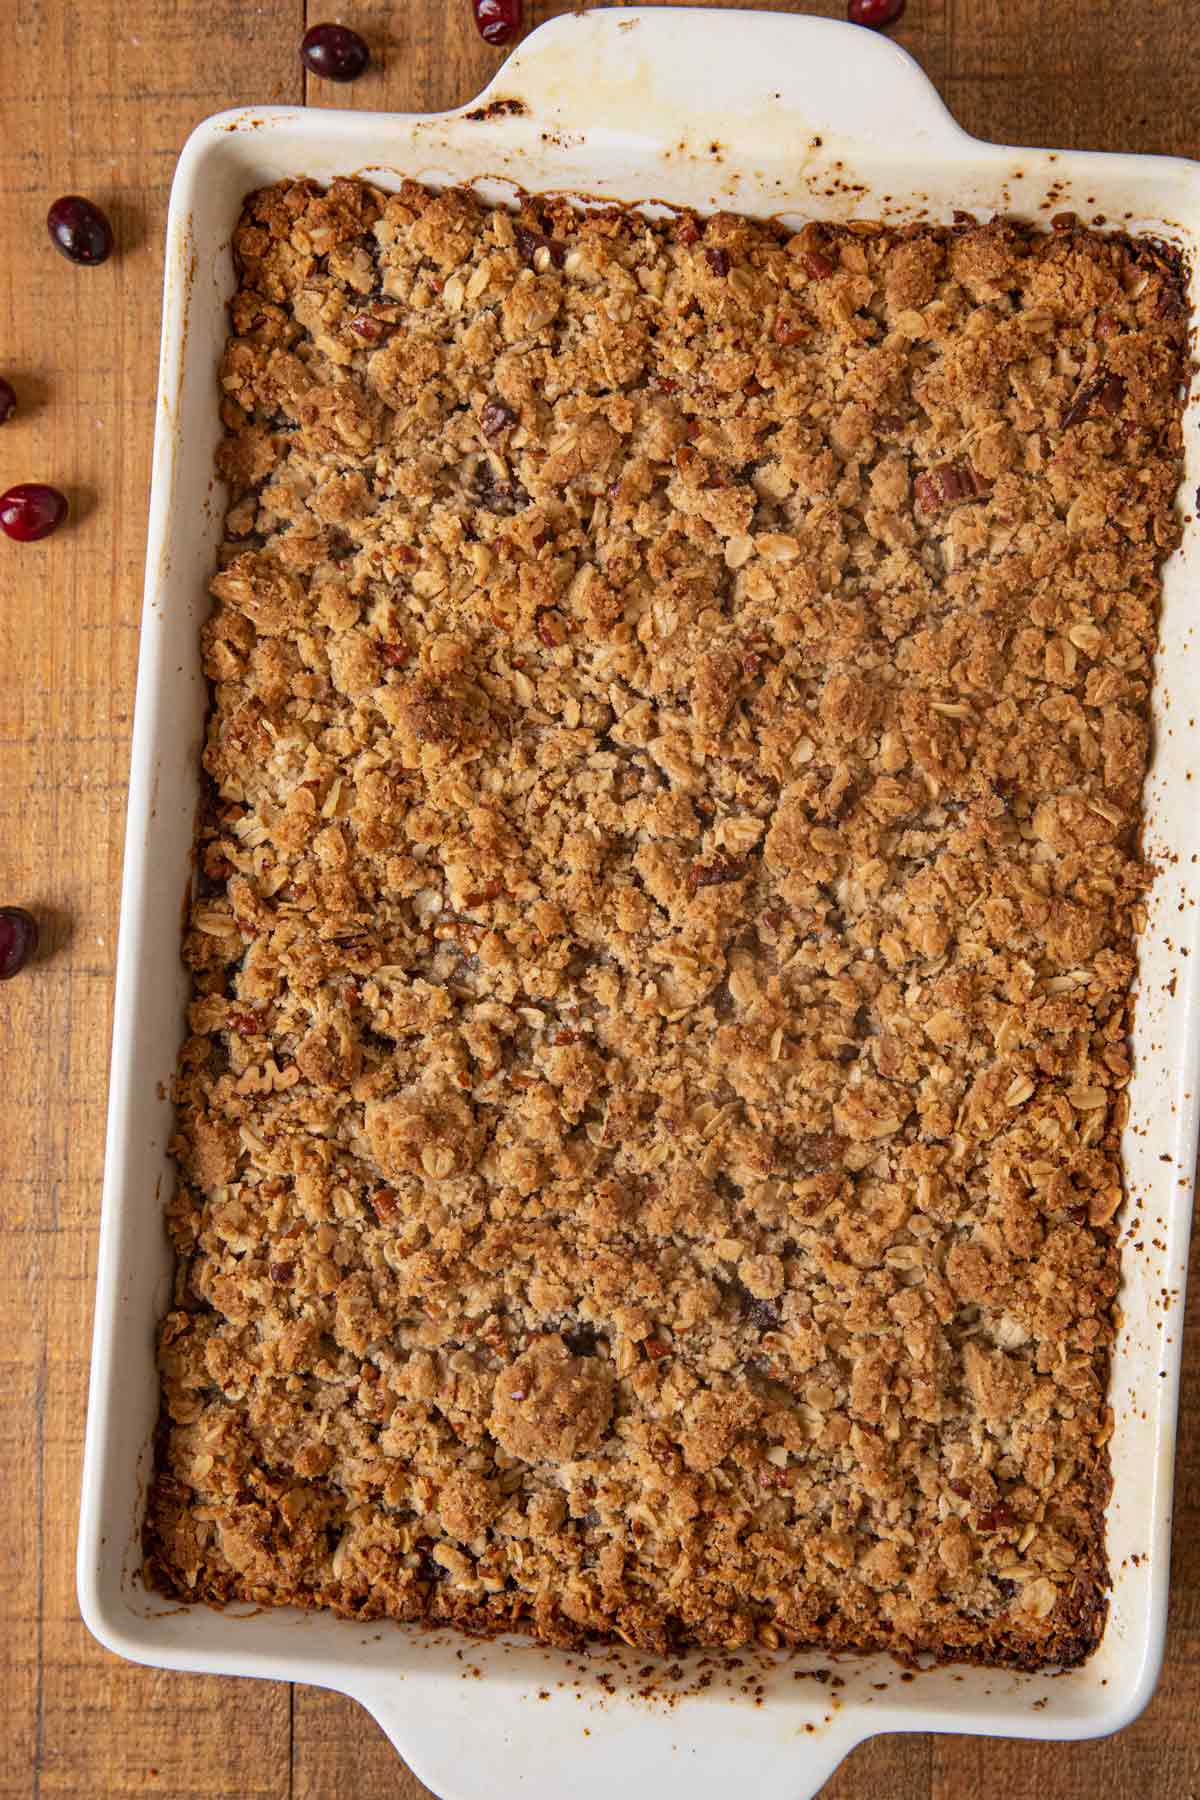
[96, 96]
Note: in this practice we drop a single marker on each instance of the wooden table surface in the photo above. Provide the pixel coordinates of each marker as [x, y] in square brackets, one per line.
[96, 96]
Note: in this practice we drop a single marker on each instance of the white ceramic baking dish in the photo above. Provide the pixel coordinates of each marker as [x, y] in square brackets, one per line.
[770, 115]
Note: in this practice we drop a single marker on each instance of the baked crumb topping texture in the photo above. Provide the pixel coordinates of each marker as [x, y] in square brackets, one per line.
[648, 1132]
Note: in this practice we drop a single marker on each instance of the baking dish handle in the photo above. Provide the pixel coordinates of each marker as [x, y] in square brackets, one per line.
[736, 81]
[624, 1747]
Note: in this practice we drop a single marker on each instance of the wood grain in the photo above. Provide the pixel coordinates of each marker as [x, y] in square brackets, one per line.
[97, 96]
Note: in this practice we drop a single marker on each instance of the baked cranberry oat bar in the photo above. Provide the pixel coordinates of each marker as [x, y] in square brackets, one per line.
[662, 951]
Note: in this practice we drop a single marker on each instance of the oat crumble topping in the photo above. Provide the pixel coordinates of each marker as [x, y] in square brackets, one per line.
[648, 1133]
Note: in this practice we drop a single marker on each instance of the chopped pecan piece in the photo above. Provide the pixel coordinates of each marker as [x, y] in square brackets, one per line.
[787, 330]
[949, 482]
[954, 480]
[927, 492]
[1104, 390]
[489, 891]
[384, 1204]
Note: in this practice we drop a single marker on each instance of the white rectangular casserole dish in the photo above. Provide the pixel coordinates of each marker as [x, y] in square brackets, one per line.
[806, 119]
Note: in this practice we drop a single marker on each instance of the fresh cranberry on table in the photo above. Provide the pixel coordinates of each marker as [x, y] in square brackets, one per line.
[18, 940]
[31, 510]
[8, 401]
[334, 52]
[79, 230]
[499, 21]
[874, 12]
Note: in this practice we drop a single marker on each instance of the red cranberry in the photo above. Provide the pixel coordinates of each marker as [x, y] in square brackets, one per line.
[334, 52]
[8, 400]
[31, 510]
[874, 12]
[499, 21]
[18, 940]
[80, 230]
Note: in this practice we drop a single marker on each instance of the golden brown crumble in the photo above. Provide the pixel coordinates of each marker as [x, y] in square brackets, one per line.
[648, 1131]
